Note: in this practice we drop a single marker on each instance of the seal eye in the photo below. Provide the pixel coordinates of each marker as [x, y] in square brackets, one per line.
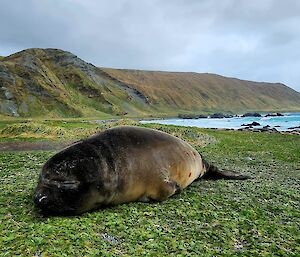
[68, 185]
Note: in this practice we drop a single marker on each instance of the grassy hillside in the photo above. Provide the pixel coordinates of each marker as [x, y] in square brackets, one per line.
[208, 92]
[258, 217]
[53, 83]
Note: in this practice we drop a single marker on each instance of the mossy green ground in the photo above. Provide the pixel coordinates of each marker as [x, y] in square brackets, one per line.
[258, 217]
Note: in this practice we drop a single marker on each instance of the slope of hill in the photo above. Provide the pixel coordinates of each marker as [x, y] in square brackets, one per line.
[55, 83]
[195, 91]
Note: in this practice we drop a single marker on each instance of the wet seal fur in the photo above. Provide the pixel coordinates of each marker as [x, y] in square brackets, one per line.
[120, 165]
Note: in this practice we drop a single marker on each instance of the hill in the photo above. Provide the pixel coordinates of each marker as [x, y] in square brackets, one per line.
[55, 83]
[208, 92]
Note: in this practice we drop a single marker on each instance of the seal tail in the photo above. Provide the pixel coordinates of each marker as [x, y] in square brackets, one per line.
[212, 172]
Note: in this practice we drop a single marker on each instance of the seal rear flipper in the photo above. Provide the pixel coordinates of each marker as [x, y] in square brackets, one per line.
[226, 174]
[212, 172]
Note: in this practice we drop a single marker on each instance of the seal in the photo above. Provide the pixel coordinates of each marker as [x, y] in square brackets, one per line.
[120, 165]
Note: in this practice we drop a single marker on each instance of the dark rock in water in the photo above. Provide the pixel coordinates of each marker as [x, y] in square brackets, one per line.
[217, 115]
[265, 128]
[251, 114]
[254, 123]
[274, 114]
[277, 126]
[191, 116]
[294, 127]
[273, 130]
[268, 129]
[220, 116]
[186, 116]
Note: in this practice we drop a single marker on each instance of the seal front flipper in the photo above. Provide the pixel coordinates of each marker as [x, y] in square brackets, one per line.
[166, 189]
[212, 172]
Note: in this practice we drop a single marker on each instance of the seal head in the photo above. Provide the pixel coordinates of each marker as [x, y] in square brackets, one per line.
[66, 180]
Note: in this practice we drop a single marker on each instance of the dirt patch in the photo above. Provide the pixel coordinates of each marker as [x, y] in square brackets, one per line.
[37, 145]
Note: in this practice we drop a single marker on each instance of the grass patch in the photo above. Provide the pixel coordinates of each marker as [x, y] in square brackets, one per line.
[76, 129]
[257, 217]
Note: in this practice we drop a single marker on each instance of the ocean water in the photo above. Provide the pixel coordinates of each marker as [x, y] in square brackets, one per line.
[282, 123]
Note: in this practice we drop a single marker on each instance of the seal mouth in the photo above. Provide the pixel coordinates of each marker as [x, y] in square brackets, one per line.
[49, 204]
[58, 197]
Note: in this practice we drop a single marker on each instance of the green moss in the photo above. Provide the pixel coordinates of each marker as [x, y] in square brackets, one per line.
[256, 217]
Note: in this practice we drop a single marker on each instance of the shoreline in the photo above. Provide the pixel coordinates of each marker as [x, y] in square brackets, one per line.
[282, 122]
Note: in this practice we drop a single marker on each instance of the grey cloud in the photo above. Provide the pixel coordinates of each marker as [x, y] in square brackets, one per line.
[256, 40]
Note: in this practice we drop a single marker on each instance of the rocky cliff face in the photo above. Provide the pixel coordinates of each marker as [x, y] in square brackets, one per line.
[56, 83]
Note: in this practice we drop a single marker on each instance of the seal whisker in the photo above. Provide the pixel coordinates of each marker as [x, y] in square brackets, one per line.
[42, 198]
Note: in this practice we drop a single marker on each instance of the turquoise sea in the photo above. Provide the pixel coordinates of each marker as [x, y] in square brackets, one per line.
[282, 123]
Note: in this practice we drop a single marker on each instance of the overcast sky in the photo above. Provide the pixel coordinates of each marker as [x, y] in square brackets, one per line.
[249, 39]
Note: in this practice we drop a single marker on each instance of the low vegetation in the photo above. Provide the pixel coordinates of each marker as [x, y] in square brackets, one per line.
[258, 217]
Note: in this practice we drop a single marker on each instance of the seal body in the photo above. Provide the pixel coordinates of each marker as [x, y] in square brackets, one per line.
[119, 165]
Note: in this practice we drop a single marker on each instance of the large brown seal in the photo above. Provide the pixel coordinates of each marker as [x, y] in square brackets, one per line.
[120, 165]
